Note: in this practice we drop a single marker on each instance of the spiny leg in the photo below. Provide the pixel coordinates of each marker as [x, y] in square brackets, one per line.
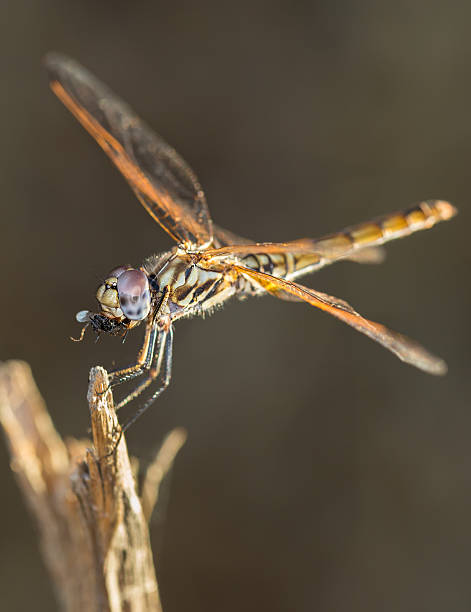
[143, 363]
[146, 354]
[162, 371]
[154, 370]
[144, 359]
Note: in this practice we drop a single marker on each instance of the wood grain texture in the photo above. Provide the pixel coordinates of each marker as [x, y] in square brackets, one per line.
[93, 530]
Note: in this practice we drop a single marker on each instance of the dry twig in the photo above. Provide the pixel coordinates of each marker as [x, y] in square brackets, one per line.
[93, 530]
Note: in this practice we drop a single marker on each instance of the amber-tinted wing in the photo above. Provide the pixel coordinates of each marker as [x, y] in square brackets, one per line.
[225, 237]
[359, 242]
[160, 178]
[406, 349]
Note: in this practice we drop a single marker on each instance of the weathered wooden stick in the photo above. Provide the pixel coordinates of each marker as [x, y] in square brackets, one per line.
[156, 471]
[93, 530]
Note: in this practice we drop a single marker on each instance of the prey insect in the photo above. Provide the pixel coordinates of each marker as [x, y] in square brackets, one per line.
[209, 265]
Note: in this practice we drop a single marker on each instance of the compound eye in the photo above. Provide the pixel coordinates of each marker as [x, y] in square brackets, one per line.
[134, 294]
[119, 270]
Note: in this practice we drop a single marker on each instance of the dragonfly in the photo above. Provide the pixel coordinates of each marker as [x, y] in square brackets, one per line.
[209, 264]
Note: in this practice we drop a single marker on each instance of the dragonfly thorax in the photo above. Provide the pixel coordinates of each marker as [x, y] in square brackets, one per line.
[188, 285]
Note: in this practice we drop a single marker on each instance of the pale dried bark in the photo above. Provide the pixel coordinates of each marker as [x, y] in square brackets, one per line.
[92, 526]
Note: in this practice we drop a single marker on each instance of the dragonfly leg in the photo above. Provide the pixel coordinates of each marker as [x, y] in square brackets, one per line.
[160, 372]
[146, 354]
[144, 359]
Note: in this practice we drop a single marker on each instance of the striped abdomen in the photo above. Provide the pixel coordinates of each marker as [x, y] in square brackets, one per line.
[358, 242]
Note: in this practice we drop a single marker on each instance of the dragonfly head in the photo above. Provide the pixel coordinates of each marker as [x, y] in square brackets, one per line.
[125, 293]
[124, 298]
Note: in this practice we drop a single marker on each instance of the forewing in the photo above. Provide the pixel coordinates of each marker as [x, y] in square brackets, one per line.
[406, 349]
[244, 247]
[241, 247]
[165, 185]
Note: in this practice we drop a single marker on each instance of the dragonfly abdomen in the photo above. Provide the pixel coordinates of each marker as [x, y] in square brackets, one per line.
[358, 242]
[283, 265]
[383, 229]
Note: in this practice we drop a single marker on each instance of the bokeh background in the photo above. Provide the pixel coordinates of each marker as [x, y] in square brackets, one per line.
[320, 472]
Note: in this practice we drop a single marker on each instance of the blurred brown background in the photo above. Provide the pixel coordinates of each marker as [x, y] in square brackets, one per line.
[320, 472]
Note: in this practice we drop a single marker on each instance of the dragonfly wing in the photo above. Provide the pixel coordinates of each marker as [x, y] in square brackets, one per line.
[225, 237]
[163, 182]
[406, 349]
[368, 255]
[242, 247]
